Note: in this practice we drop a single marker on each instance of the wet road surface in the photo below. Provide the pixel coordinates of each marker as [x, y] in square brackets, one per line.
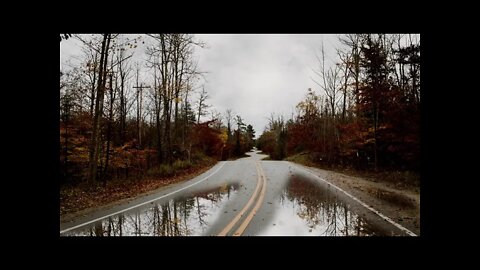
[245, 197]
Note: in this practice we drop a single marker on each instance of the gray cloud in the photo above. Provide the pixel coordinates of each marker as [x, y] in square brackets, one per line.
[256, 75]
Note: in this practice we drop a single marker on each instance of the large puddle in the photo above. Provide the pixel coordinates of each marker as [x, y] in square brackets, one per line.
[179, 217]
[308, 209]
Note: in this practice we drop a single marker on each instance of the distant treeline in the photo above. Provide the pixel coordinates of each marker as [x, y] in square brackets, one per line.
[366, 113]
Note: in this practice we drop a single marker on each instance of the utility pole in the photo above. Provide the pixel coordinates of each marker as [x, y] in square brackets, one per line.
[139, 109]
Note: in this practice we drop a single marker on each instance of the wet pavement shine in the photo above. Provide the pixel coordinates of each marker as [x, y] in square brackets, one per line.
[293, 204]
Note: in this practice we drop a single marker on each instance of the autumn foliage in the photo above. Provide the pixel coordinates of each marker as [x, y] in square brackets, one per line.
[207, 140]
[116, 125]
[375, 124]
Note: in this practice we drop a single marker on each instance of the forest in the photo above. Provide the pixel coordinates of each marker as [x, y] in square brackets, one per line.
[126, 123]
[366, 114]
[116, 125]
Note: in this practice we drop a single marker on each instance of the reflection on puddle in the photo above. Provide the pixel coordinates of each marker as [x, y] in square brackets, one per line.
[306, 208]
[179, 217]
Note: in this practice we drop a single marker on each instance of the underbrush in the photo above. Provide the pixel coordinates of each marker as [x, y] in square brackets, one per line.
[76, 197]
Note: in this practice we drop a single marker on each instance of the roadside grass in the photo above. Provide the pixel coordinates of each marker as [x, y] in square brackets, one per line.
[302, 158]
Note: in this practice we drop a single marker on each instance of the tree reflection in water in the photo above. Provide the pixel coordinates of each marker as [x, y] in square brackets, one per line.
[179, 217]
[321, 208]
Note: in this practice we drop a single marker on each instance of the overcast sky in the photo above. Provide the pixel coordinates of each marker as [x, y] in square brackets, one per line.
[255, 74]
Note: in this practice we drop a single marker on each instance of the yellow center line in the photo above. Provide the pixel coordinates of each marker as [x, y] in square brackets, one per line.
[245, 208]
[252, 213]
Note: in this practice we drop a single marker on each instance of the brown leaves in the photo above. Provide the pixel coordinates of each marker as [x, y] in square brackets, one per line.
[74, 199]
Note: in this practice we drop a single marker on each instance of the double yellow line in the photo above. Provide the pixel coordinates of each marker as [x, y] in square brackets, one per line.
[258, 195]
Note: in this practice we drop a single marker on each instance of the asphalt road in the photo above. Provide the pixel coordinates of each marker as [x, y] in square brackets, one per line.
[245, 197]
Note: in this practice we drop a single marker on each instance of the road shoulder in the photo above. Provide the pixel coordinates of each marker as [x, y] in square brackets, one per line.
[147, 190]
[401, 205]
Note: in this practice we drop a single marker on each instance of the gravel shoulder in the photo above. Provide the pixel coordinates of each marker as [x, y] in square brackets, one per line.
[401, 204]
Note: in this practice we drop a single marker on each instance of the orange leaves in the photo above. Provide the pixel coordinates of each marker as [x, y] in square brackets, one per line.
[127, 156]
[207, 139]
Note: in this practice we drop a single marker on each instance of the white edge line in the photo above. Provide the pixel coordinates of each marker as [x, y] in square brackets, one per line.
[135, 206]
[362, 203]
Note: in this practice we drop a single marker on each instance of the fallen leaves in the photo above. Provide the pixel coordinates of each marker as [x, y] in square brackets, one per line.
[74, 199]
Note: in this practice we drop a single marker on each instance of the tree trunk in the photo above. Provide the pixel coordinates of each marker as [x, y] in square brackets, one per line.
[185, 119]
[167, 133]
[157, 119]
[139, 90]
[94, 144]
[375, 126]
[66, 114]
[345, 84]
[165, 54]
[176, 84]
[123, 108]
[109, 131]
[92, 97]
[199, 111]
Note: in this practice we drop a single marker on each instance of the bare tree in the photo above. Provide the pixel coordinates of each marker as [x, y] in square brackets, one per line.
[353, 41]
[123, 70]
[158, 102]
[172, 55]
[112, 91]
[202, 106]
[344, 66]
[92, 69]
[228, 118]
[163, 51]
[216, 117]
[329, 81]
